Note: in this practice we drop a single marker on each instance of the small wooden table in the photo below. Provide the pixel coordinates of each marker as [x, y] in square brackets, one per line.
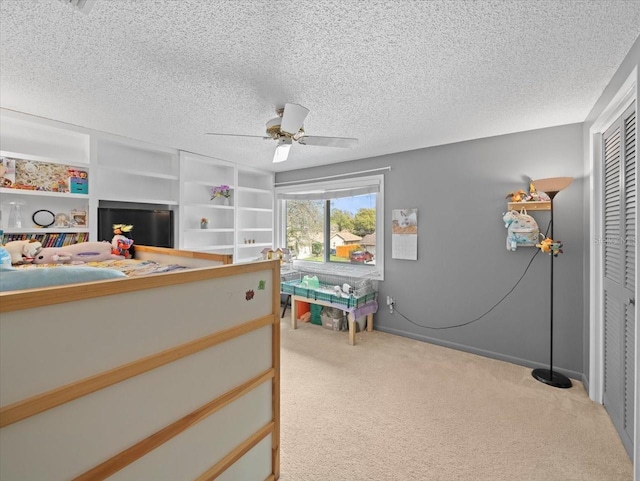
[350, 316]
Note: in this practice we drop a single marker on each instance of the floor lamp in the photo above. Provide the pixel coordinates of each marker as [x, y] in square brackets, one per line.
[551, 187]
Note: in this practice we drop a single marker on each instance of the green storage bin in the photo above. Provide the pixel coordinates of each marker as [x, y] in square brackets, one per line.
[316, 314]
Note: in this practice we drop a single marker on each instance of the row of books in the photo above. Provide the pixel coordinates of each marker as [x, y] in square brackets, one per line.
[58, 239]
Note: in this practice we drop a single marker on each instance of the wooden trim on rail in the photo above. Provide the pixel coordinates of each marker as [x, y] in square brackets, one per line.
[275, 386]
[46, 296]
[271, 477]
[210, 256]
[138, 450]
[242, 449]
[20, 410]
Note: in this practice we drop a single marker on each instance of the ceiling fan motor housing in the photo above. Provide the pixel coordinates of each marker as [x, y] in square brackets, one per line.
[274, 131]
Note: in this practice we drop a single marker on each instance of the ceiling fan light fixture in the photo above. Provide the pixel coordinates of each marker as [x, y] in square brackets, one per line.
[282, 150]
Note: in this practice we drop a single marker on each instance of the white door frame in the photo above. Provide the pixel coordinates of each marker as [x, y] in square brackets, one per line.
[626, 95]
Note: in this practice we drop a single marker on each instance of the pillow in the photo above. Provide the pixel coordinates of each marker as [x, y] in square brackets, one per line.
[5, 259]
[11, 280]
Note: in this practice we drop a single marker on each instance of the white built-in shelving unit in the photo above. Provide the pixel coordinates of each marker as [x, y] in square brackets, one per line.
[198, 175]
[244, 226]
[132, 171]
[127, 170]
[41, 142]
[255, 215]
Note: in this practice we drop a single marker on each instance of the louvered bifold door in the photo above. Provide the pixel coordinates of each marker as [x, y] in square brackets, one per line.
[619, 144]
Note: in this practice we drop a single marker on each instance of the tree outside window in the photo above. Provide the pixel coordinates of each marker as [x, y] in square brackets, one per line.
[348, 226]
[338, 222]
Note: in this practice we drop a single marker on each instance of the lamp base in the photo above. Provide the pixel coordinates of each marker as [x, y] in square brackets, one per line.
[552, 378]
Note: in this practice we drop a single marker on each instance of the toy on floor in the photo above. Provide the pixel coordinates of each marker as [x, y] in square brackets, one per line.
[23, 250]
[120, 244]
[76, 253]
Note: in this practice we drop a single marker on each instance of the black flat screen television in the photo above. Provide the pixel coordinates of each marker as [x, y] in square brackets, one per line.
[150, 227]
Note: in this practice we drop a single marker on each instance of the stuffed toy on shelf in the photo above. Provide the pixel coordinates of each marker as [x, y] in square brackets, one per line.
[519, 196]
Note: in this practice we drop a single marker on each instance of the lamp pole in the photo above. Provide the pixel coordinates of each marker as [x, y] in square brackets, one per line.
[547, 376]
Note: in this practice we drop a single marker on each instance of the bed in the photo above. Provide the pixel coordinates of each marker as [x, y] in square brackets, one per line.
[146, 377]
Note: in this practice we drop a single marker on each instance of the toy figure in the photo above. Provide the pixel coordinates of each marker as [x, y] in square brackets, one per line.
[549, 246]
[120, 244]
[534, 195]
[23, 250]
[518, 196]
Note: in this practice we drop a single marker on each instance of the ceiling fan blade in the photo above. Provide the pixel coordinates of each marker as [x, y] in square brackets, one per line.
[342, 142]
[240, 135]
[293, 118]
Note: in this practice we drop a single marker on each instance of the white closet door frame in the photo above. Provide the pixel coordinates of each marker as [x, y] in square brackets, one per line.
[626, 96]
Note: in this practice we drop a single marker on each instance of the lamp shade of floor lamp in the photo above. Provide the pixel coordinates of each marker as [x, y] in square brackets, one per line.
[551, 187]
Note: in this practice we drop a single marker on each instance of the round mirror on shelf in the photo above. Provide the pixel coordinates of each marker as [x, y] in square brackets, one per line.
[43, 218]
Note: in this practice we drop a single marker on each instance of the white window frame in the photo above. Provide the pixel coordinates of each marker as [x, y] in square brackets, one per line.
[373, 272]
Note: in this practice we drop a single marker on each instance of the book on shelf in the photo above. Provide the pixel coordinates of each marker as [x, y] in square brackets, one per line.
[51, 240]
[55, 239]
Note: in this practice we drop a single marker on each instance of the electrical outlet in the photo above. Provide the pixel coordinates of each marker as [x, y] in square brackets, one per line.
[390, 303]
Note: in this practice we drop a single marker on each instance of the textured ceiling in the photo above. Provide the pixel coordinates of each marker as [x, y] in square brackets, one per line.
[397, 74]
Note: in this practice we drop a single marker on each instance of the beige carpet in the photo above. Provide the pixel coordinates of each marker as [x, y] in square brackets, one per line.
[395, 409]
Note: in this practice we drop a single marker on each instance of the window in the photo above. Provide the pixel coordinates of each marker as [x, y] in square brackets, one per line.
[335, 224]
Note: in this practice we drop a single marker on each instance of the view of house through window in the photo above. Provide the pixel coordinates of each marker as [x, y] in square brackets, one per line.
[334, 230]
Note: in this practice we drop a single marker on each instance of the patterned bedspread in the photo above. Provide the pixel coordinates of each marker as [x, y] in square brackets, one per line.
[130, 267]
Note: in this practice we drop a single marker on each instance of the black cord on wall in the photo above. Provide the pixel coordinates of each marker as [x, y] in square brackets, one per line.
[492, 307]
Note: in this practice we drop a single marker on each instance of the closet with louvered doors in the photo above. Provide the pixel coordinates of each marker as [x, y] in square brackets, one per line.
[620, 193]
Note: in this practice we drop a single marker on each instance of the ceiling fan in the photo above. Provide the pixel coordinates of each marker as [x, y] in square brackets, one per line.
[287, 128]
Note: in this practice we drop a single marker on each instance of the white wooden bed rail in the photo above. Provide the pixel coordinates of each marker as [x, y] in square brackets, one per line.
[167, 377]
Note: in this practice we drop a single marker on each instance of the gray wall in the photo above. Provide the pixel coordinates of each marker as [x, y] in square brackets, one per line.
[463, 267]
[631, 61]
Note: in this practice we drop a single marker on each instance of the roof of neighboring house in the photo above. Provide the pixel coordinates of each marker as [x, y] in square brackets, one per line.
[369, 240]
[347, 236]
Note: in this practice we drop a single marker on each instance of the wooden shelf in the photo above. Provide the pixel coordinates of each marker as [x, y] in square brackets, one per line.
[539, 205]
[255, 209]
[138, 172]
[46, 230]
[126, 198]
[39, 158]
[230, 229]
[255, 244]
[255, 190]
[42, 193]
